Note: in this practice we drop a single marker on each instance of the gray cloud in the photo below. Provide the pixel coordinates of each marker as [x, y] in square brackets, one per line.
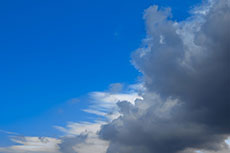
[68, 143]
[184, 101]
[186, 72]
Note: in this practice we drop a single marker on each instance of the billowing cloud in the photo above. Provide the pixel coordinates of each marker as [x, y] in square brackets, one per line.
[186, 73]
[182, 105]
[82, 137]
[86, 142]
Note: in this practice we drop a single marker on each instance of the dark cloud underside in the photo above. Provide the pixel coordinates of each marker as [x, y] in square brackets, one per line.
[186, 72]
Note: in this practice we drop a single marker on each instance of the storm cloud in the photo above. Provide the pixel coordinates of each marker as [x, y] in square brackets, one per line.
[181, 104]
[186, 75]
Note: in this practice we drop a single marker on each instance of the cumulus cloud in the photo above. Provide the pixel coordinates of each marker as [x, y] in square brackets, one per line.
[186, 73]
[82, 137]
[84, 143]
[182, 105]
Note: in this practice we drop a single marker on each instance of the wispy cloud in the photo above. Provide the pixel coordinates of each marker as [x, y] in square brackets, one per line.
[80, 137]
[105, 103]
[8, 132]
[33, 145]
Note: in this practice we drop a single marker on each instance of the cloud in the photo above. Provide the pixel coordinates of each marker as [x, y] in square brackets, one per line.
[81, 128]
[182, 105]
[186, 73]
[33, 145]
[105, 103]
[81, 137]
[84, 143]
[8, 132]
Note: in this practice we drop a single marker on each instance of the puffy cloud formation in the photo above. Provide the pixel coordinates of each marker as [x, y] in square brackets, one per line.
[186, 73]
[182, 105]
[84, 142]
[83, 137]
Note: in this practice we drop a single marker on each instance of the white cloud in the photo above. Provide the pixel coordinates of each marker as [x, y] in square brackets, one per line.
[105, 103]
[91, 144]
[33, 145]
[74, 129]
[80, 137]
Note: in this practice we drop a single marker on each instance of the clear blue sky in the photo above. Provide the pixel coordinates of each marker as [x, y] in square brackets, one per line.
[52, 51]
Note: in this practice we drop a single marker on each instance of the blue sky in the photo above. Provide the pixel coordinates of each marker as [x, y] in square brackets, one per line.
[54, 51]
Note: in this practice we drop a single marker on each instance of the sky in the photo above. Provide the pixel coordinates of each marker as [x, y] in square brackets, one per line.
[64, 65]
[54, 51]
